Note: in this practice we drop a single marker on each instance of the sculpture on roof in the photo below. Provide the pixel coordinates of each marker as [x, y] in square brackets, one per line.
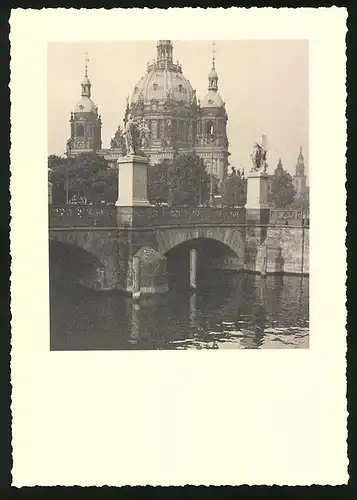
[118, 141]
[144, 133]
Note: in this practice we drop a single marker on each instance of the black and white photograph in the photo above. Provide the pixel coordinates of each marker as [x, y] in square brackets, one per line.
[179, 194]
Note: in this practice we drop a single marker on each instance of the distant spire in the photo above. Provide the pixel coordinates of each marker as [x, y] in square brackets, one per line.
[300, 165]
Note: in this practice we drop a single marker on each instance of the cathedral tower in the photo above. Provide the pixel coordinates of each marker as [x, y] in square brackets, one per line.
[300, 177]
[86, 124]
[211, 139]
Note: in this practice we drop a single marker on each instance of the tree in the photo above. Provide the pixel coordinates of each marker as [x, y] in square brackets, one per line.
[188, 182]
[234, 191]
[157, 182]
[302, 203]
[282, 188]
[184, 181]
[89, 176]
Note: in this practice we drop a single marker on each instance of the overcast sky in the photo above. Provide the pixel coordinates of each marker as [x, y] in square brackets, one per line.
[263, 82]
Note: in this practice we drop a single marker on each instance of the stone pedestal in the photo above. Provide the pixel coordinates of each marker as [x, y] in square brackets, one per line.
[257, 208]
[132, 181]
[257, 191]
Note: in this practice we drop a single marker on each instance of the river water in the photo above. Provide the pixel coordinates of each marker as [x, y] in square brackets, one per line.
[228, 311]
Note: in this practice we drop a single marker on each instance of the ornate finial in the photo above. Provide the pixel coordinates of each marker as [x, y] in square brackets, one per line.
[213, 54]
[86, 61]
[264, 141]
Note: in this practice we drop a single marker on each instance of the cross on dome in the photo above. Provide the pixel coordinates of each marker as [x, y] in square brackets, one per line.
[213, 54]
[86, 61]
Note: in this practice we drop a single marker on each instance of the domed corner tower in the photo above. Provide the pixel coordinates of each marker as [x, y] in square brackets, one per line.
[86, 123]
[167, 101]
[211, 140]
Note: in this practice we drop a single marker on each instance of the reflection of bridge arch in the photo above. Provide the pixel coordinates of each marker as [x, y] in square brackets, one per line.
[232, 238]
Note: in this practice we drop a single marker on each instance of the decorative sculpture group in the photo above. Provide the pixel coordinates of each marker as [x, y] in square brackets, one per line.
[259, 158]
[134, 139]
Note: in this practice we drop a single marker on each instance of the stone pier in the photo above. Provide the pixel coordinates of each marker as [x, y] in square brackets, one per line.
[142, 268]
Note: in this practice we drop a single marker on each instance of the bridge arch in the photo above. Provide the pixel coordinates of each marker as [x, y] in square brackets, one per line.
[84, 257]
[167, 239]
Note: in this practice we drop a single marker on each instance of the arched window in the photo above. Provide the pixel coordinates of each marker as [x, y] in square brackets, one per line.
[209, 128]
[154, 129]
[80, 130]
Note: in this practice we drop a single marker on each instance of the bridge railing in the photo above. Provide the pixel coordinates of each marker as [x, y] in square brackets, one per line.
[282, 217]
[110, 216]
[192, 215]
[82, 216]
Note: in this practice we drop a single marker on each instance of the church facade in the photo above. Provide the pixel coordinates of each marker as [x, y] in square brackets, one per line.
[177, 121]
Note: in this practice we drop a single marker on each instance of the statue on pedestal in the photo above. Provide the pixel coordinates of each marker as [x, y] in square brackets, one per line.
[259, 158]
[136, 136]
[131, 132]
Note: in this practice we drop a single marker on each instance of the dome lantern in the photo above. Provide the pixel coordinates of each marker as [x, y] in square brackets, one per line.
[163, 79]
[213, 76]
[86, 84]
[212, 98]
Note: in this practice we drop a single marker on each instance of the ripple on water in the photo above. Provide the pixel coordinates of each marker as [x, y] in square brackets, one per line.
[245, 313]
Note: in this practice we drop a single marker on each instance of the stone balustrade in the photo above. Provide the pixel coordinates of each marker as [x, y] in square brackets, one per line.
[82, 216]
[111, 216]
[281, 217]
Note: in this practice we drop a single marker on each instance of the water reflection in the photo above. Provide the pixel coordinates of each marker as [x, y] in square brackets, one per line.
[228, 311]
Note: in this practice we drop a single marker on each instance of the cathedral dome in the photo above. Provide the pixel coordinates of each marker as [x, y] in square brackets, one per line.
[85, 105]
[163, 79]
[212, 100]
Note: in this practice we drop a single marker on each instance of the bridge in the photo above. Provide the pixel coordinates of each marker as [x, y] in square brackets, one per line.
[133, 248]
